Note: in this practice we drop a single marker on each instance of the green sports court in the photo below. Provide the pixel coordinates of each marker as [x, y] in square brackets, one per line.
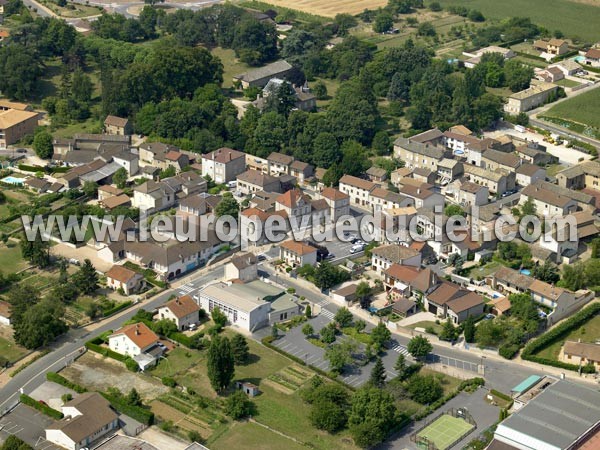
[443, 432]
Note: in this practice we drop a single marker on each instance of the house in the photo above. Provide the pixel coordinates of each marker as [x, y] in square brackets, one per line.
[530, 98]
[555, 47]
[409, 281]
[198, 204]
[338, 202]
[422, 194]
[472, 194]
[305, 100]
[251, 390]
[182, 311]
[346, 294]
[153, 196]
[260, 77]
[425, 175]
[297, 254]
[416, 154]
[223, 165]
[296, 205]
[475, 57]
[466, 145]
[382, 200]
[243, 304]
[449, 300]
[527, 174]
[4, 313]
[497, 181]
[384, 256]
[592, 57]
[252, 181]
[16, 123]
[567, 67]
[92, 144]
[130, 162]
[279, 164]
[301, 171]
[404, 307]
[376, 174]
[547, 202]
[580, 353]
[39, 185]
[116, 201]
[535, 153]
[433, 136]
[358, 190]
[500, 305]
[448, 170]
[88, 418]
[494, 160]
[283, 308]
[108, 191]
[117, 125]
[550, 75]
[136, 341]
[470, 304]
[120, 277]
[243, 267]
[581, 176]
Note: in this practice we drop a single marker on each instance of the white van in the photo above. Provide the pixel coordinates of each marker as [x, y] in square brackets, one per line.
[357, 248]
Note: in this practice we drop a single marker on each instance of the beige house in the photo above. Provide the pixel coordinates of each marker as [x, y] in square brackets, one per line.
[494, 160]
[260, 77]
[497, 181]
[583, 175]
[295, 204]
[581, 353]
[383, 257]
[548, 203]
[530, 98]
[527, 174]
[182, 311]
[252, 181]
[243, 267]
[554, 46]
[297, 254]
[358, 190]
[416, 154]
[14, 124]
[338, 202]
[223, 165]
[120, 277]
[279, 164]
[152, 196]
[117, 125]
[472, 194]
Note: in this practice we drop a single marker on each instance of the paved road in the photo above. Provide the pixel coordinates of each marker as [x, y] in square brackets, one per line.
[34, 375]
[563, 131]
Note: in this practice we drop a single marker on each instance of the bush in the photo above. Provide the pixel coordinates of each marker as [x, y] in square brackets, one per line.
[138, 413]
[131, 364]
[168, 381]
[116, 309]
[59, 379]
[41, 407]
[508, 351]
[500, 395]
[181, 338]
[95, 346]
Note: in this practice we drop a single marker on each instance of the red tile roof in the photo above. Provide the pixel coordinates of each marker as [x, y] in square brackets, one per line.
[182, 306]
[139, 334]
[120, 273]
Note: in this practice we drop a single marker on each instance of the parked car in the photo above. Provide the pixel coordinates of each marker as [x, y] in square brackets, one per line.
[357, 248]
[74, 261]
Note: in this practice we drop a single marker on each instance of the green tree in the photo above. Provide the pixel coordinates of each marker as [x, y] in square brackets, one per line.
[419, 347]
[328, 334]
[383, 22]
[15, 443]
[319, 90]
[381, 143]
[87, 278]
[489, 333]
[339, 355]
[454, 210]
[274, 332]
[573, 276]
[378, 374]
[469, 329]
[343, 317]
[218, 317]
[308, 330]
[344, 22]
[120, 177]
[424, 389]
[228, 206]
[21, 68]
[220, 363]
[240, 349]
[238, 405]
[449, 332]
[380, 335]
[329, 405]
[282, 99]
[326, 150]
[360, 325]
[517, 75]
[37, 251]
[372, 416]
[475, 16]
[90, 188]
[426, 29]
[42, 144]
[308, 310]
[40, 324]
[547, 272]
[133, 398]
[364, 294]
[400, 366]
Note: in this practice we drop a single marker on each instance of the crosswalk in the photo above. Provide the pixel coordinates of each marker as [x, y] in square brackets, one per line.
[400, 349]
[327, 313]
[186, 289]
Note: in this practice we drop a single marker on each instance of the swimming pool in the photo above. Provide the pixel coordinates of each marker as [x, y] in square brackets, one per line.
[525, 272]
[579, 59]
[459, 152]
[13, 180]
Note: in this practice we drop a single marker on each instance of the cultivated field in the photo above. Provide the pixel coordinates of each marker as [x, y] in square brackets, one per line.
[331, 7]
[584, 109]
[573, 18]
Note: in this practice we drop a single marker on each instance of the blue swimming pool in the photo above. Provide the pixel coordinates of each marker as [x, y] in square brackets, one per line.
[579, 59]
[12, 180]
[459, 152]
[525, 272]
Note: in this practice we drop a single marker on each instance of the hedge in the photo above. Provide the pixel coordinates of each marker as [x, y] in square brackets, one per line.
[557, 333]
[115, 309]
[94, 345]
[138, 413]
[59, 379]
[499, 394]
[184, 340]
[41, 407]
[27, 168]
[471, 382]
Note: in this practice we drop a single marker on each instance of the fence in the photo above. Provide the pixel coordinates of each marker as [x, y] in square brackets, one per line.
[462, 413]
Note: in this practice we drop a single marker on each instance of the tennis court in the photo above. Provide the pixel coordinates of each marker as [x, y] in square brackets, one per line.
[445, 431]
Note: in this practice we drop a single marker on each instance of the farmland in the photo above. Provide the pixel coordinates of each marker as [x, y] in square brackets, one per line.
[572, 18]
[583, 109]
[331, 7]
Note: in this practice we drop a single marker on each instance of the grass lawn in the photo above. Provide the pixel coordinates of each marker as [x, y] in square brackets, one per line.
[567, 83]
[484, 271]
[10, 258]
[178, 362]
[437, 328]
[500, 92]
[10, 350]
[572, 18]
[584, 109]
[252, 435]
[589, 332]
[72, 10]
[231, 65]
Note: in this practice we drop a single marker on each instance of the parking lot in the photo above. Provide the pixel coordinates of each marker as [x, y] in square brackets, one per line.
[29, 425]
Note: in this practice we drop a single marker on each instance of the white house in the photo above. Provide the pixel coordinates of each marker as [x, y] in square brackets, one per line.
[120, 277]
[129, 161]
[182, 311]
[297, 254]
[132, 340]
[88, 418]
[384, 256]
[243, 267]
[223, 165]
[152, 196]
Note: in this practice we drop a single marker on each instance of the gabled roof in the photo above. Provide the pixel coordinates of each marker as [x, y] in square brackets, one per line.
[270, 70]
[528, 169]
[116, 121]
[583, 349]
[224, 155]
[243, 260]
[445, 292]
[593, 53]
[465, 302]
[280, 158]
[292, 198]
[334, 194]
[12, 117]
[299, 248]
[543, 195]
[394, 252]
[120, 273]
[256, 178]
[506, 159]
[513, 277]
[138, 333]
[421, 149]
[182, 306]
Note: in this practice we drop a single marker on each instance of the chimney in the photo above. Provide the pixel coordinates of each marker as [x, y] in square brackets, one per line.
[137, 330]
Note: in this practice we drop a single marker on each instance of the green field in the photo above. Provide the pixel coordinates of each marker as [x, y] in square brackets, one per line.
[10, 258]
[572, 18]
[445, 431]
[252, 435]
[584, 109]
[10, 350]
[231, 65]
[589, 332]
[567, 83]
